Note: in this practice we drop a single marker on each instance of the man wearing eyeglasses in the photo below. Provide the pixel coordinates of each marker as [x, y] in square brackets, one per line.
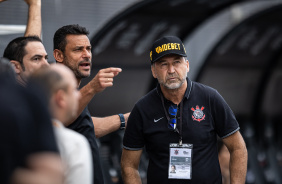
[178, 123]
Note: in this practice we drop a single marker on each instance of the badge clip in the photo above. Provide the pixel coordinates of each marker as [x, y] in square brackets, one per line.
[180, 142]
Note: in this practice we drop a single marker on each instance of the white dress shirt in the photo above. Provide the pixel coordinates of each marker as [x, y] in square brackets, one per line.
[75, 153]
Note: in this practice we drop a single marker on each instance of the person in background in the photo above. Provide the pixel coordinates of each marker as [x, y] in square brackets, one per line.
[29, 153]
[73, 49]
[60, 86]
[178, 123]
[27, 54]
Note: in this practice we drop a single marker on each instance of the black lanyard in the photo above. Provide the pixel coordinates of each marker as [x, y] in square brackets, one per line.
[180, 119]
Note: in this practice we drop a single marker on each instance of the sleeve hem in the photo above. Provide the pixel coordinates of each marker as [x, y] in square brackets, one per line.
[237, 129]
[132, 149]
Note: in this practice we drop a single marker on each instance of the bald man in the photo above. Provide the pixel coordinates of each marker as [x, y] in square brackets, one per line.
[60, 86]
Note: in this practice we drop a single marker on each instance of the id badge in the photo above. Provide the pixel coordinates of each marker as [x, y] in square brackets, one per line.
[180, 161]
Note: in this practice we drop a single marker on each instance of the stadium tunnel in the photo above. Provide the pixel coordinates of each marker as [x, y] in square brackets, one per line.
[125, 42]
[244, 66]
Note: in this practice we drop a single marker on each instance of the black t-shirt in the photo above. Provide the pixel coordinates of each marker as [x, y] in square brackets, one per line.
[84, 125]
[205, 115]
[25, 126]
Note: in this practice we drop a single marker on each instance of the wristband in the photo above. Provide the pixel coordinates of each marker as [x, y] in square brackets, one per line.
[122, 121]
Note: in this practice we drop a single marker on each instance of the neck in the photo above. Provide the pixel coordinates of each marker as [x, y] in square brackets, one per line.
[21, 81]
[78, 82]
[56, 122]
[56, 112]
[174, 95]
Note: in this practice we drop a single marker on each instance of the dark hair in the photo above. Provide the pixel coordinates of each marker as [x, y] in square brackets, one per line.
[15, 50]
[6, 68]
[59, 40]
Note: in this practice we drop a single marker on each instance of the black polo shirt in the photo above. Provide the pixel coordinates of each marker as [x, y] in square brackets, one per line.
[84, 125]
[205, 115]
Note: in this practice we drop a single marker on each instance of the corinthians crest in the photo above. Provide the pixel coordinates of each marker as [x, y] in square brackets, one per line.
[198, 114]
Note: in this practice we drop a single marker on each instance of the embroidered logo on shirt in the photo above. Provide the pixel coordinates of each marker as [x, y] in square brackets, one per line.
[156, 120]
[198, 114]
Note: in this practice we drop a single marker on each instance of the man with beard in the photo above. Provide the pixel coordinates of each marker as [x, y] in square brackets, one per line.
[178, 123]
[73, 49]
[27, 54]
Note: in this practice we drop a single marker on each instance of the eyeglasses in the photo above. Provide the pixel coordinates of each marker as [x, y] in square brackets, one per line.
[172, 110]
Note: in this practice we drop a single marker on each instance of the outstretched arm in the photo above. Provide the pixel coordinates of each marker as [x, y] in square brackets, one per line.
[103, 79]
[34, 23]
[238, 157]
[106, 125]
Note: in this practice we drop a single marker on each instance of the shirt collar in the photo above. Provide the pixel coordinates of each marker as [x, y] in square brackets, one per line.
[57, 123]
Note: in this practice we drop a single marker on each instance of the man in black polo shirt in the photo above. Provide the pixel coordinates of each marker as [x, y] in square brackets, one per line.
[73, 49]
[178, 123]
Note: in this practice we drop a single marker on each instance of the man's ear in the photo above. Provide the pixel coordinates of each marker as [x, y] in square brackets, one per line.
[58, 55]
[60, 96]
[17, 66]
[188, 66]
[153, 71]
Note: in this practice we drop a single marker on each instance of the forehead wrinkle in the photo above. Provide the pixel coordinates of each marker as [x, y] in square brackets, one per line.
[37, 48]
[78, 39]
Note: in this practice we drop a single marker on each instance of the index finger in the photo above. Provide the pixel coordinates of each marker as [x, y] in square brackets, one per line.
[112, 69]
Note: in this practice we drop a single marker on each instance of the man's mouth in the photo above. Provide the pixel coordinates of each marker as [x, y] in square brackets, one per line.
[85, 65]
[172, 78]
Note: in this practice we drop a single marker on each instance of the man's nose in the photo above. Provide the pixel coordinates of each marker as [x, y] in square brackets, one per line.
[45, 62]
[87, 53]
[171, 69]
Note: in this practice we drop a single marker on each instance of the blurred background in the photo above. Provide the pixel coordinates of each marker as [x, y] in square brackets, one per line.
[234, 46]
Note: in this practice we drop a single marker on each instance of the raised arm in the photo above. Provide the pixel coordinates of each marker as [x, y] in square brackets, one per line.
[34, 23]
[238, 157]
[129, 166]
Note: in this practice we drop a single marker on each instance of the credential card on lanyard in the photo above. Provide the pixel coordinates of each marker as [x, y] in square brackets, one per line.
[180, 161]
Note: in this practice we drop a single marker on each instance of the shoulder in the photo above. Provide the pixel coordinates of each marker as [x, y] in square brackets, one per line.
[148, 98]
[204, 90]
[74, 135]
[200, 86]
[71, 137]
[83, 120]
